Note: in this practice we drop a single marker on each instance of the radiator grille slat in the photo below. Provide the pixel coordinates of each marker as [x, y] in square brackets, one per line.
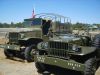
[13, 37]
[58, 45]
[57, 49]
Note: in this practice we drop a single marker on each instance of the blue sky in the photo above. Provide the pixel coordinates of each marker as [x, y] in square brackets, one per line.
[85, 11]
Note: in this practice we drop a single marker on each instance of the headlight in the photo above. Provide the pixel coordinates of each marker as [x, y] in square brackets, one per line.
[75, 48]
[42, 45]
[45, 45]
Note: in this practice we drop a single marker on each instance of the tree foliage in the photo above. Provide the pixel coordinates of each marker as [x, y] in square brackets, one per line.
[79, 26]
[12, 25]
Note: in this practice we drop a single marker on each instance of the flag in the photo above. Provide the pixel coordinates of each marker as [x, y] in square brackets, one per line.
[33, 14]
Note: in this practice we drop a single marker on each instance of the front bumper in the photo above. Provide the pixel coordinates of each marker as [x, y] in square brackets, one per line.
[12, 47]
[68, 64]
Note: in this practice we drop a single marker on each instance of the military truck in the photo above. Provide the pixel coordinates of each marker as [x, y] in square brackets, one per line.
[66, 50]
[21, 42]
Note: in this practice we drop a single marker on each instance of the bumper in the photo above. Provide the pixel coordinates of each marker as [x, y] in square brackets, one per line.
[12, 47]
[68, 64]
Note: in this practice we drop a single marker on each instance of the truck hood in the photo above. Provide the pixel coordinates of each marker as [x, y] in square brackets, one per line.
[65, 38]
[18, 29]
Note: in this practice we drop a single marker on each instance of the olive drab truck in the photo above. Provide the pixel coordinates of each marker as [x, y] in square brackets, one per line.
[63, 49]
[22, 41]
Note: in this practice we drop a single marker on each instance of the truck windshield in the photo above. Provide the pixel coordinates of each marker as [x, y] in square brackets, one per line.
[34, 22]
[63, 28]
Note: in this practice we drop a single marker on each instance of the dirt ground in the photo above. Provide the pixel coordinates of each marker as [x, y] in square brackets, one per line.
[15, 67]
[19, 67]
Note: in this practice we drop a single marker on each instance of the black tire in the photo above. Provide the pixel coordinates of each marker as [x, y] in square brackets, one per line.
[40, 67]
[28, 53]
[90, 66]
[96, 43]
[8, 53]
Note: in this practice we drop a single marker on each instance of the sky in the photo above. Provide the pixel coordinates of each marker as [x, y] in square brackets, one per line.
[84, 11]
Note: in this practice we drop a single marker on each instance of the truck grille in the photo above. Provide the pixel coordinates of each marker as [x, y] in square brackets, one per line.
[58, 49]
[13, 37]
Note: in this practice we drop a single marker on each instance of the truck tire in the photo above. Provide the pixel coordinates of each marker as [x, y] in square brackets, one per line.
[28, 53]
[96, 43]
[90, 66]
[40, 67]
[8, 53]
